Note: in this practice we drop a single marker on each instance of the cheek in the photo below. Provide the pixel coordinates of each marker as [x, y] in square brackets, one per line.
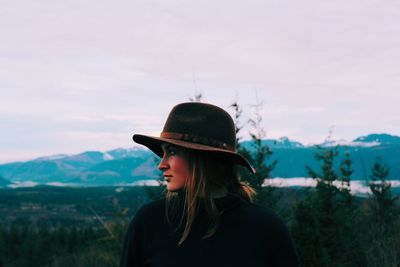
[184, 175]
[182, 168]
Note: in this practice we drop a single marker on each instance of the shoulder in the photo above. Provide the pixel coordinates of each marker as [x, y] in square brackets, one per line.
[153, 205]
[258, 210]
[262, 215]
[137, 236]
[270, 226]
[272, 230]
[148, 213]
[150, 209]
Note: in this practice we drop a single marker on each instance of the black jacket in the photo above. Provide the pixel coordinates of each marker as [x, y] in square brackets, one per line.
[248, 235]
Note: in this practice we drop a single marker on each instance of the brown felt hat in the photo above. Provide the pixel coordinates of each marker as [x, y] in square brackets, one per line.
[197, 126]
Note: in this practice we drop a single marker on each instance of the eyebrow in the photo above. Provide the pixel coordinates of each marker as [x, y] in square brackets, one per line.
[167, 146]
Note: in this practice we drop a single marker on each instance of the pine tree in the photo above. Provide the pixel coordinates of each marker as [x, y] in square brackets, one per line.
[242, 150]
[325, 215]
[383, 203]
[381, 220]
[345, 174]
[197, 97]
[258, 155]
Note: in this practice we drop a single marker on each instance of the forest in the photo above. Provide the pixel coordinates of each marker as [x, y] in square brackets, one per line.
[330, 226]
[51, 226]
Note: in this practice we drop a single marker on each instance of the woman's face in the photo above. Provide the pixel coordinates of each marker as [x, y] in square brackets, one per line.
[174, 166]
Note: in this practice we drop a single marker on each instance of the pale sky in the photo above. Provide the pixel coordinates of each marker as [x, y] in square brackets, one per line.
[86, 75]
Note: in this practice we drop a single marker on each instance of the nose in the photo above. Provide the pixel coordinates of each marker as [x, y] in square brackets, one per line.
[163, 165]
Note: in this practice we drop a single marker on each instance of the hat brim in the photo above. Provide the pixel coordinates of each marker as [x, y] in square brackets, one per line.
[154, 144]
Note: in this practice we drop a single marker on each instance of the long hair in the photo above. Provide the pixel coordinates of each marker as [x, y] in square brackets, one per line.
[208, 173]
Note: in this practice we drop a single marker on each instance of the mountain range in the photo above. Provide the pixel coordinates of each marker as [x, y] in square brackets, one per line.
[125, 166]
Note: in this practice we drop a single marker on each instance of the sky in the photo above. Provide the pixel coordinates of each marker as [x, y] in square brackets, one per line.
[85, 75]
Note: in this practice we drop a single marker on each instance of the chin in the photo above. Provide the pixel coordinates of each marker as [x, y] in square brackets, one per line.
[172, 189]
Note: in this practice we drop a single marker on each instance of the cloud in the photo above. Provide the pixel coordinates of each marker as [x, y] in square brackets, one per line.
[119, 67]
[356, 186]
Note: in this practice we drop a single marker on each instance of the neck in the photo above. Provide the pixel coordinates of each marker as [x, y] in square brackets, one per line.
[216, 193]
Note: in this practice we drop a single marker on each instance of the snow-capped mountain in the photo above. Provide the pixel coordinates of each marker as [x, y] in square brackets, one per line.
[127, 165]
[383, 139]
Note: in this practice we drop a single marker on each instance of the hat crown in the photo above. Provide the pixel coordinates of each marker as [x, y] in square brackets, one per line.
[202, 123]
[197, 126]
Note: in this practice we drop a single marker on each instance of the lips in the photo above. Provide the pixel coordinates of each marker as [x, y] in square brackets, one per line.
[167, 177]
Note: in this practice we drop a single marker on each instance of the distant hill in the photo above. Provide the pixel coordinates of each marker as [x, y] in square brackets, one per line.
[383, 139]
[91, 168]
[4, 182]
[292, 162]
[129, 165]
[282, 142]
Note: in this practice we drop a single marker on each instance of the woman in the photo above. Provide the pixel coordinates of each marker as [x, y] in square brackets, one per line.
[207, 218]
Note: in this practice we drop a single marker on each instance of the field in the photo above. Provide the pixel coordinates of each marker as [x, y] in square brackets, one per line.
[81, 207]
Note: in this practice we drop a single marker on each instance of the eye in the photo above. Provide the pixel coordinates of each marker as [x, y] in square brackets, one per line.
[172, 151]
[169, 150]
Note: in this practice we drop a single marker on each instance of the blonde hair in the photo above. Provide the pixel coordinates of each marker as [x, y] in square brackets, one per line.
[209, 172]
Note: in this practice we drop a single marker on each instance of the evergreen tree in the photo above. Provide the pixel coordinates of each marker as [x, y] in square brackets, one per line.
[197, 97]
[323, 219]
[382, 220]
[383, 203]
[257, 155]
[345, 174]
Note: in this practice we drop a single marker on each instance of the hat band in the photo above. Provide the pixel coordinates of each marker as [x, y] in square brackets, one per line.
[197, 139]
